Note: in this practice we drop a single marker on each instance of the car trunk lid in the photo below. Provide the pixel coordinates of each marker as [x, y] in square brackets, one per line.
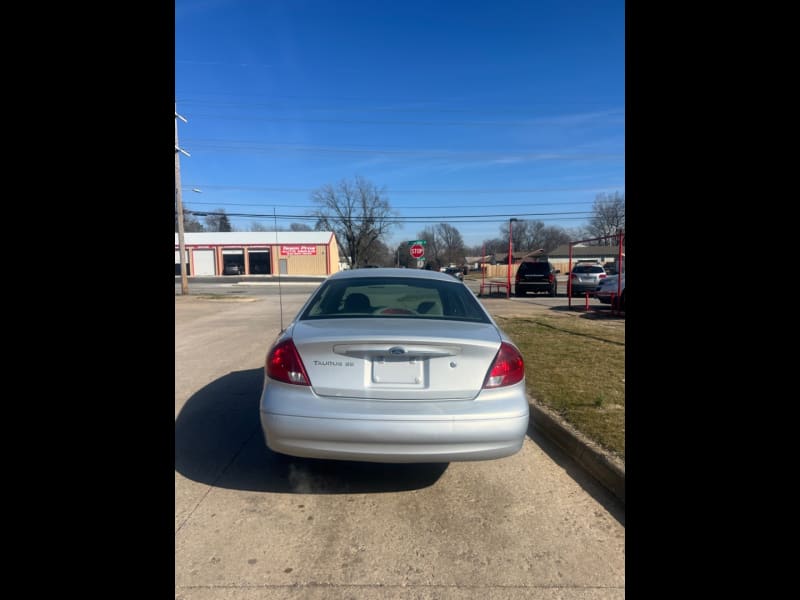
[396, 359]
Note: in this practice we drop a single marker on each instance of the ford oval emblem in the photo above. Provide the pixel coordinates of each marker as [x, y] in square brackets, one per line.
[397, 351]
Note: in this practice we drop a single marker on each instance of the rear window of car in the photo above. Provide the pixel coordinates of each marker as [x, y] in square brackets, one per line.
[534, 267]
[394, 297]
[588, 269]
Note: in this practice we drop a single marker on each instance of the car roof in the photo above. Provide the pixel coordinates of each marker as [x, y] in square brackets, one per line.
[391, 272]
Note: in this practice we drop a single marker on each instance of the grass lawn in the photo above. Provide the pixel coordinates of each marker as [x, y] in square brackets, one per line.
[576, 367]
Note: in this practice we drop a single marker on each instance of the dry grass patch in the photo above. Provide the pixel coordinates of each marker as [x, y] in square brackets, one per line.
[576, 368]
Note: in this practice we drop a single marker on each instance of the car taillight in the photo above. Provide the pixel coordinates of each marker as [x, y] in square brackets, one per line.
[508, 368]
[284, 364]
[551, 277]
[603, 276]
[516, 277]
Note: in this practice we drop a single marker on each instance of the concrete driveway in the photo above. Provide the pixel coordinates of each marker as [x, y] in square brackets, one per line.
[249, 524]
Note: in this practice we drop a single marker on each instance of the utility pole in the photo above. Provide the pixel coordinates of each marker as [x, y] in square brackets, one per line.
[510, 260]
[179, 206]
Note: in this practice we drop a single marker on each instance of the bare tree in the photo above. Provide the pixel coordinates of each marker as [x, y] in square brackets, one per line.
[433, 250]
[451, 244]
[403, 258]
[299, 227]
[380, 254]
[496, 245]
[218, 221]
[577, 233]
[190, 223]
[357, 212]
[608, 215]
[527, 236]
[533, 235]
[552, 237]
[258, 226]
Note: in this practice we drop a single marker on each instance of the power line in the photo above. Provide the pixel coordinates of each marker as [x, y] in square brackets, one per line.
[407, 222]
[195, 97]
[374, 122]
[399, 219]
[417, 191]
[266, 149]
[420, 109]
[314, 206]
[363, 148]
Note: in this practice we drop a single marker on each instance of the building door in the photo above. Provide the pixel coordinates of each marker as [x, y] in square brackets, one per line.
[178, 263]
[233, 261]
[203, 262]
[259, 262]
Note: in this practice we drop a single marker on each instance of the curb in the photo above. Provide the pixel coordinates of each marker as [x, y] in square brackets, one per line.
[605, 469]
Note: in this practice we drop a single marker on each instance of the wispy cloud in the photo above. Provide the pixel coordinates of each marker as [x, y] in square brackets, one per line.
[616, 115]
[508, 160]
[401, 167]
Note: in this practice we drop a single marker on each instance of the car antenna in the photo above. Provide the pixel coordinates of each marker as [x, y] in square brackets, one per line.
[280, 295]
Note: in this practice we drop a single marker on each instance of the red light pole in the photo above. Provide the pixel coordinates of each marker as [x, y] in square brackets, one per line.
[483, 267]
[510, 250]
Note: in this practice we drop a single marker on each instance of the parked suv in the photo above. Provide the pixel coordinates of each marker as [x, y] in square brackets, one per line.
[536, 277]
[585, 277]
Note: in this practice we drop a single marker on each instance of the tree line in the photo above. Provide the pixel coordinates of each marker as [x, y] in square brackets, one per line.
[361, 216]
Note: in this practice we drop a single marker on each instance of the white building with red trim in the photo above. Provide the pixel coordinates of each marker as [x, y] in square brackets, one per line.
[259, 253]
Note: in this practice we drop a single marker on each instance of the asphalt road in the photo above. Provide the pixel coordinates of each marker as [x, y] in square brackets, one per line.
[251, 525]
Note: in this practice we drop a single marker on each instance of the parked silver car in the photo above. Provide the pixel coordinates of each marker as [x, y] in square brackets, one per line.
[611, 292]
[585, 277]
[394, 365]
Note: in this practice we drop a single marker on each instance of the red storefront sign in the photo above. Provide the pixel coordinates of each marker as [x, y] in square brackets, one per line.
[298, 249]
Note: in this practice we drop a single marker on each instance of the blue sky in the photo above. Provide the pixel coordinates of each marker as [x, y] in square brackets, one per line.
[462, 110]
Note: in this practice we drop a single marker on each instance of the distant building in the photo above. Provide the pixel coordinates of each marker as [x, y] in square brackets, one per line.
[259, 253]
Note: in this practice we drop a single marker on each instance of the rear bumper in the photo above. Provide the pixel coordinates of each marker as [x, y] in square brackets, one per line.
[299, 423]
[394, 441]
[582, 288]
[534, 287]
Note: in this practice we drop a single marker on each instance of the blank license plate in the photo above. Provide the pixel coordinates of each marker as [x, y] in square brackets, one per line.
[397, 371]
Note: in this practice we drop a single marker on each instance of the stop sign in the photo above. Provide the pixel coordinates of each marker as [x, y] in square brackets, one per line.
[417, 250]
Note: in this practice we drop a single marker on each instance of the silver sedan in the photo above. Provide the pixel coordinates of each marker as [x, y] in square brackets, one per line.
[394, 365]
